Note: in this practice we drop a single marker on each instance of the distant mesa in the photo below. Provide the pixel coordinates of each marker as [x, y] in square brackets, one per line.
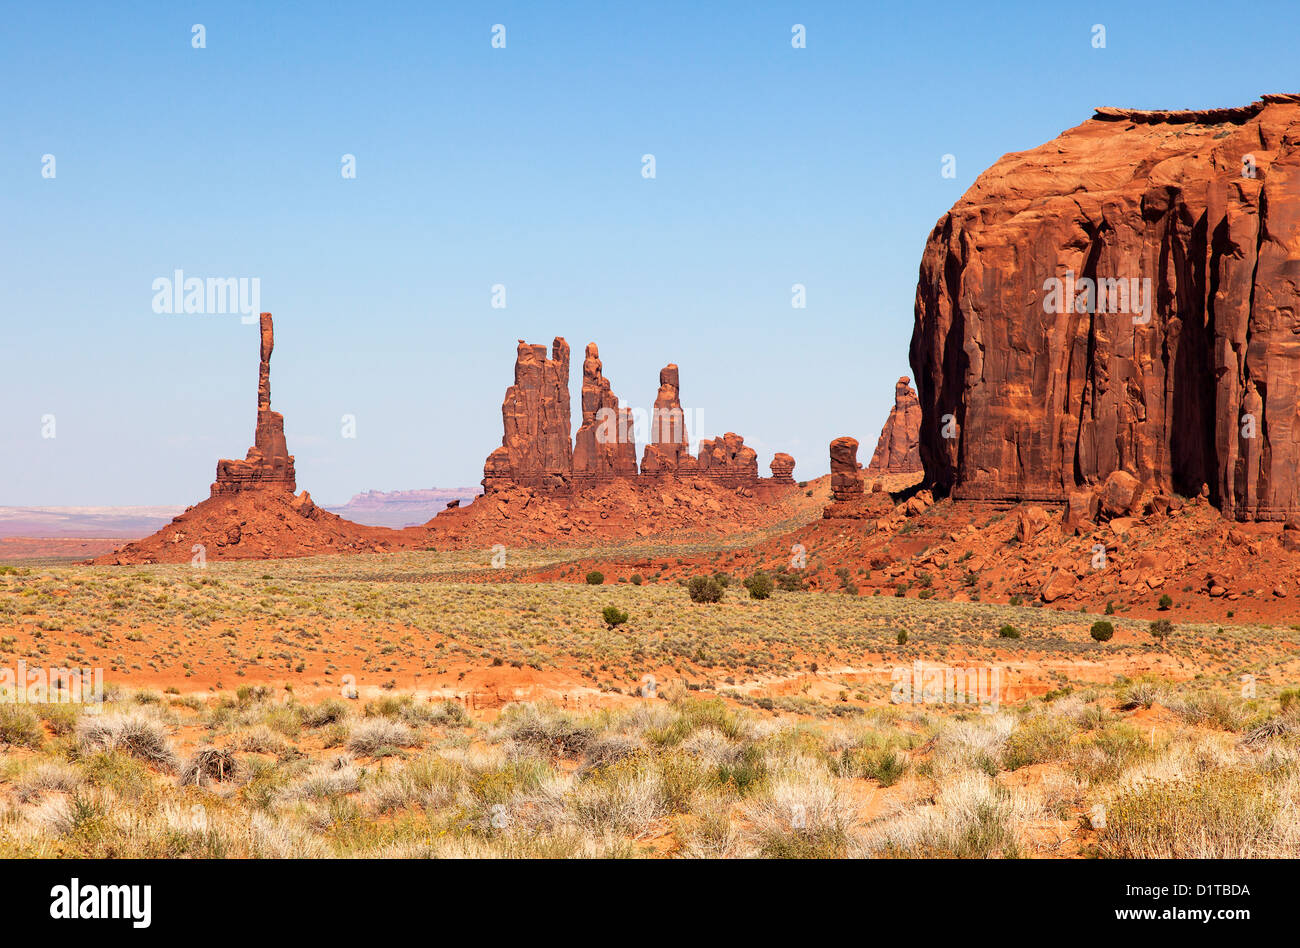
[1124, 298]
[536, 451]
[899, 449]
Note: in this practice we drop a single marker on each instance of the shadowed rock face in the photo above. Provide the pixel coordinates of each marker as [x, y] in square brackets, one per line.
[536, 450]
[606, 443]
[898, 451]
[268, 465]
[1046, 383]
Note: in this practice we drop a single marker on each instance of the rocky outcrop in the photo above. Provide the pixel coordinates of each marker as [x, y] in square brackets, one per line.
[268, 465]
[668, 451]
[846, 475]
[899, 450]
[782, 468]
[1124, 298]
[728, 461]
[846, 480]
[536, 450]
[606, 443]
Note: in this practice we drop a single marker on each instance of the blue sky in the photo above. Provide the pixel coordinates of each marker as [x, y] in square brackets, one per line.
[520, 166]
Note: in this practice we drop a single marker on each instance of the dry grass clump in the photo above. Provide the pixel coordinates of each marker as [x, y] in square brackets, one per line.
[377, 736]
[209, 765]
[1224, 814]
[131, 732]
[972, 817]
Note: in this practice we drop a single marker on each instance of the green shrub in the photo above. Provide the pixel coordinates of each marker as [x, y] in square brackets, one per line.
[1160, 630]
[595, 578]
[1008, 632]
[636, 579]
[1102, 631]
[1166, 601]
[902, 637]
[614, 616]
[704, 589]
[759, 585]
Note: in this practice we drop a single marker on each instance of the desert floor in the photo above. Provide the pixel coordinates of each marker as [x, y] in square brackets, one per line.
[431, 703]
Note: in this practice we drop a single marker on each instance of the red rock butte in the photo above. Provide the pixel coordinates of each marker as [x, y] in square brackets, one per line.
[536, 451]
[1126, 298]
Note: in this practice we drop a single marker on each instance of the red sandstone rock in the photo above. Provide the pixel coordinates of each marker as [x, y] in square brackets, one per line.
[898, 450]
[726, 459]
[1193, 379]
[268, 465]
[668, 451]
[535, 448]
[782, 468]
[846, 476]
[606, 443]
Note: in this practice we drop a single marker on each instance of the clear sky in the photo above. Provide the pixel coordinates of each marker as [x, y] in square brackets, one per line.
[519, 166]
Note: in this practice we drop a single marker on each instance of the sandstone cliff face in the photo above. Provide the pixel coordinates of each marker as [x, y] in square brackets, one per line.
[668, 451]
[1035, 381]
[899, 449]
[606, 443]
[536, 450]
[268, 465]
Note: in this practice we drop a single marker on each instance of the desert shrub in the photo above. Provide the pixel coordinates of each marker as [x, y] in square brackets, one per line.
[1161, 629]
[614, 616]
[901, 638]
[704, 589]
[1221, 814]
[20, 726]
[759, 585]
[787, 581]
[374, 737]
[1166, 601]
[546, 729]
[329, 711]
[1037, 740]
[595, 578]
[133, 733]
[724, 579]
[1008, 632]
[207, 765]
[884, 764]
[1102, 631]
[637, 579]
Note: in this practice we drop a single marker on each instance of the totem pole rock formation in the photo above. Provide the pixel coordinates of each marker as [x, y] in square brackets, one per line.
[1125, 297]
[268, 465]
[846, 476]
[606, 443]
[898, 451]
[782, 468]
[536, 450]
[668, 451]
